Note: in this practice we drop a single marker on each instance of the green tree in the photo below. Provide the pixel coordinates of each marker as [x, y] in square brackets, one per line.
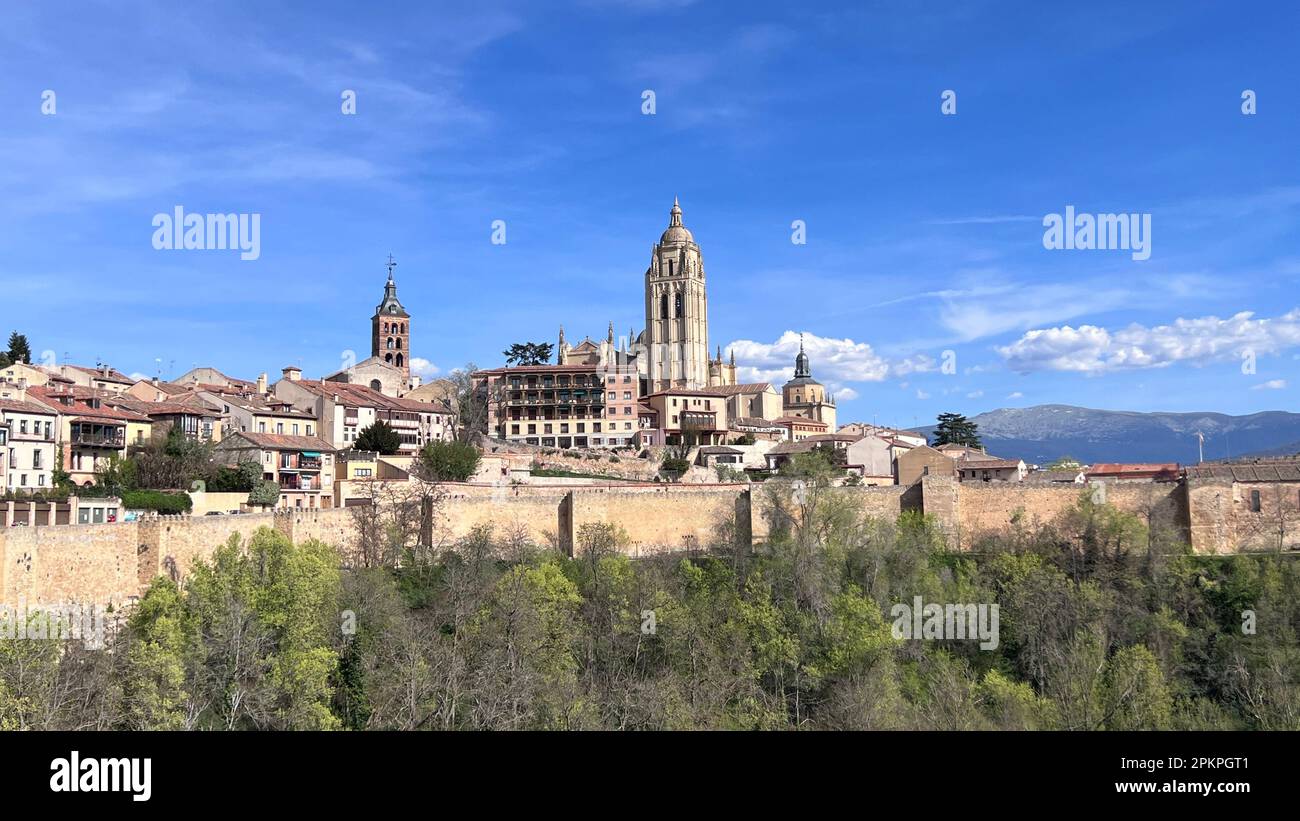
[528, 353]
[379, 437]
[447, 461]
[19, 350]
[955, 429]
[265, 493]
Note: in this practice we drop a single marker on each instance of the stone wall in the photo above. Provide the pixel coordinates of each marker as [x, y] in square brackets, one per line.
[112, 563]
[1222, 519]
[969, 511]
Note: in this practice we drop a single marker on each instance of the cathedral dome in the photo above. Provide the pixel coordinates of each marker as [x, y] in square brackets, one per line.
[677, 234]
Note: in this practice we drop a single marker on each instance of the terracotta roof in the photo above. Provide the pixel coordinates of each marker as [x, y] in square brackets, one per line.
[279, 441]
[786, 421]
[686, 392]
[350, 393]
[106, 374]
[752, 422]
[112, 406]
[834, 437]
[1163, 469]
[989, 464]
[783, 448]
[22, 406]
[719, 449]
[750, 387]
[1270, 471]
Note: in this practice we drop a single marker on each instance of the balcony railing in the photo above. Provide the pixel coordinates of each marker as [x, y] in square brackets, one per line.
[99, 440]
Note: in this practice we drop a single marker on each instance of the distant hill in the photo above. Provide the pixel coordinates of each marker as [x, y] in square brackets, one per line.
[1043, 433]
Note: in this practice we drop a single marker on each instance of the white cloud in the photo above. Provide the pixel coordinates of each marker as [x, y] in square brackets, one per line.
[423, 368]
[974, 394]
[1015, 395]
[1270, 385]
[920, 394]
[1092, 349]
[139, 376]
[833, 361]
[846, 394]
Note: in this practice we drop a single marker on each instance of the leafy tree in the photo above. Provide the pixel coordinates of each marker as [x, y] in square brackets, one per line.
[955, 429]
[529, 353]
[445, 461]
[379, 437]
[265, 493]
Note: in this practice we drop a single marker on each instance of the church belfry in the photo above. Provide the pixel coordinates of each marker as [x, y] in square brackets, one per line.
[390, 337]
[676, 311]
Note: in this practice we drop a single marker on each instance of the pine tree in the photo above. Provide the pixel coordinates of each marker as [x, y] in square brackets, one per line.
[19, 350]
[955, 429]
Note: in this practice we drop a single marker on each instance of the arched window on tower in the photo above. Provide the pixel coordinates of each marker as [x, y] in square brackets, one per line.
[399, 343]
[375, 385]
[678, 305]
[399, 360]
[388, 358]
[663, 306]
[390, 343]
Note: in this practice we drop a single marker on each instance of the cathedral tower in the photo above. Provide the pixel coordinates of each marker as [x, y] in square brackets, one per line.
[390, 329]
[676, 311]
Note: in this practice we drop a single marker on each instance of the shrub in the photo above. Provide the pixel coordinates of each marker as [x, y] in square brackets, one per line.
[156, 500]
[449, 461]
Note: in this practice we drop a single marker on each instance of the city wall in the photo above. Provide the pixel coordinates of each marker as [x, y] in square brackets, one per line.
[113, 563]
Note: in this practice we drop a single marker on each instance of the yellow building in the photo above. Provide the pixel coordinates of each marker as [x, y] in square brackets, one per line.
[805, 396]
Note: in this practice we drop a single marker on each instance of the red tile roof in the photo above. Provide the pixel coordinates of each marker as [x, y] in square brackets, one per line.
[278, 441]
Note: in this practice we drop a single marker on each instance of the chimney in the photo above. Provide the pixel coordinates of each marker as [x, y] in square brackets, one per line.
[291, 373]
[261, 383]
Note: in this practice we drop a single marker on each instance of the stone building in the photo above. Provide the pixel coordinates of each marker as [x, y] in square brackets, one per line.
[390, 329]
[805, 396]
[675, 342]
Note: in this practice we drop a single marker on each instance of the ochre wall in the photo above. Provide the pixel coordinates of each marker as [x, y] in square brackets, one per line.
[113, 563]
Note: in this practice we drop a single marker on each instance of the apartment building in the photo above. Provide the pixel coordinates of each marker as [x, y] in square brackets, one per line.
[580, 405]
[100, 378]
[28, 451]
[700, 415]
[91, 427]
[342, 410]
[303, 466]
[250, 413]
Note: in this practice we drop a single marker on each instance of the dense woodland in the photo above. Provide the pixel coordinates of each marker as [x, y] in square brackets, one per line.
[1104, 625]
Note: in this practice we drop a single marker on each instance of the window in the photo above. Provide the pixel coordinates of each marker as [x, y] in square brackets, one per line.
[1254, 501]
[309, 433]
[295, 428]
[261, 427]
[678, 300]
[627, 395]
[279, 427]
[663, 306]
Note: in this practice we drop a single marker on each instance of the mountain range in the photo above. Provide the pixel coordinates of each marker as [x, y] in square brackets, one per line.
[1043, 433]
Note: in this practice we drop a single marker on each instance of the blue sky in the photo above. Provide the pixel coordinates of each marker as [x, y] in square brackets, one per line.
[924, 230]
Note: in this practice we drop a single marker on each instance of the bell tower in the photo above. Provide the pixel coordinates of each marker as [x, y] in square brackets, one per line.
[390, 328]
[676, 311]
